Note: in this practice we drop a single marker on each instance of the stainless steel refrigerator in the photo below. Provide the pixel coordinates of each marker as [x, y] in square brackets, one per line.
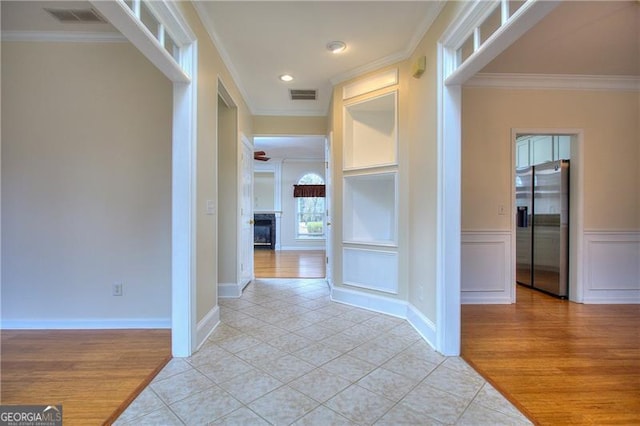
[542, 227]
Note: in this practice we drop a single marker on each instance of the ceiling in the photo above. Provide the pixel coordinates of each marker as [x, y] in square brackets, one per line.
[260, 40]
[32, 16]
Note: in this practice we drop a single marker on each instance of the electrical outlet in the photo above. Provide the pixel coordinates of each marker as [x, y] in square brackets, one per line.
[117, 289]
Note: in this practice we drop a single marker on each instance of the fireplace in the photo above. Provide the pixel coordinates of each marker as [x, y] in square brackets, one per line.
[264, 231]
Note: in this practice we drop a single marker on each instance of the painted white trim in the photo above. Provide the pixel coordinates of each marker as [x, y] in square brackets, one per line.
[529, 14]
[170, 16]
[423, 325]
[86, 324]
[64, 36]
[375, 82]
[612, 266]
[449, 199]
[421, 30]
[384, 262]
[394, 307]
[424, 26]
[184, 151]
[123, 19]
[371, 302]
[229, 290]
[449, 173]
[206, 20]
[554, 82]
[486, 259]
[206, 326]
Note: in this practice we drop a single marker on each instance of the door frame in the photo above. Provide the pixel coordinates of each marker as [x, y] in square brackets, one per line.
[451, 75]
[184, 76]
[576, 207]
[246, 147]
[328, 179]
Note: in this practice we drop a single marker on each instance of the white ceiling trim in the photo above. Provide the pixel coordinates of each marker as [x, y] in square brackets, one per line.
[396, 57]
[372, 66]
[554, 81]
[206, 20]
[64, 36]
[424, 26]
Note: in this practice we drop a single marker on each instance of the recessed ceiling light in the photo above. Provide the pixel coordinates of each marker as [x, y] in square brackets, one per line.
[286, 77]
[336, 46]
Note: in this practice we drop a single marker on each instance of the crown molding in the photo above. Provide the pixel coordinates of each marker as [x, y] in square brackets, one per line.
[203, 14]
[554, 81]
[64, 36]
[398, 56]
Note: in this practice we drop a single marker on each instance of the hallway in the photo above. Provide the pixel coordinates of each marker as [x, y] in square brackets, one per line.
[285, 354]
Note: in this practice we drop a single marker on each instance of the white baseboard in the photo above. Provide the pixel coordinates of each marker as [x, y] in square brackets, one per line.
[229, 290]
[372, 302]
[486, 270]
[207, 325]
[423, 325]
[611, 267]
[397, 308]
[86, 324]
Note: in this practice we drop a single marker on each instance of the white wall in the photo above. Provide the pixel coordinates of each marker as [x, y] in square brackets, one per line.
[292, 171]
[264, 191]
[86, 186]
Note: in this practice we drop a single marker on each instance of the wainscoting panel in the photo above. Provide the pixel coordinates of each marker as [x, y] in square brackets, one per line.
[372, 269]
[612, 267]
[486, 275]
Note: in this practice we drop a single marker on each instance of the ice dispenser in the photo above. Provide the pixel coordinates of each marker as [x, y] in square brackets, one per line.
[523, 216]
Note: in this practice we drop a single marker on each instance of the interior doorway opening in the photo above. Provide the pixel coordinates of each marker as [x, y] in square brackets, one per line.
[289, 241]
[547, 197]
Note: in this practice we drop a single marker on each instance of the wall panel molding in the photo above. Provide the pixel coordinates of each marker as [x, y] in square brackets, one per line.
[612, 266]
[554, 82]
[486, 270]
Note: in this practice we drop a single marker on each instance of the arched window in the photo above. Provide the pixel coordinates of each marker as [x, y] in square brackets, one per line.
[310, 210]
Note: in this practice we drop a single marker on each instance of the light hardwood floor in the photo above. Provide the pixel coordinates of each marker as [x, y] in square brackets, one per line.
[289, 263]
[94, 374]
[559, 362]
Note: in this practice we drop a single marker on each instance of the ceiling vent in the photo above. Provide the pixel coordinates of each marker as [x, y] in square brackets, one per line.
[303, 94]
[76, 15]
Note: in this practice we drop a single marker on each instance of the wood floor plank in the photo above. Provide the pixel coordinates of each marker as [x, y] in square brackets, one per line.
[289, 263]
[92, 373]
[560, 362]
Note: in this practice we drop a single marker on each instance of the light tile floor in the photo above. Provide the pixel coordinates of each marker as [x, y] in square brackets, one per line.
[285, 354]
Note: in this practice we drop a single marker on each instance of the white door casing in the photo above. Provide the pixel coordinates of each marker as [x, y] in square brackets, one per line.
[246, 212]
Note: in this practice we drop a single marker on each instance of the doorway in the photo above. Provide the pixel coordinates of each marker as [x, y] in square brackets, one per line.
[539, 148]
[289, 241]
